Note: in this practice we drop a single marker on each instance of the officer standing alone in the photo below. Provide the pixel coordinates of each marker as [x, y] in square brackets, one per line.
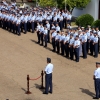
[48, 76]
[96, 78]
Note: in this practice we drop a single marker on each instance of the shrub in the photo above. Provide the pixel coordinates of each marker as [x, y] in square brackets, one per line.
[96, 23]
[84, 20]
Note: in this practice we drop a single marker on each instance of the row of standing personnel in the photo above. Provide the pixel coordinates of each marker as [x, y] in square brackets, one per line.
[72, 42]
[17, 20]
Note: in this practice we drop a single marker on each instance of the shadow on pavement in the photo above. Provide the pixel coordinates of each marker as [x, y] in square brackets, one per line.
[86, 91]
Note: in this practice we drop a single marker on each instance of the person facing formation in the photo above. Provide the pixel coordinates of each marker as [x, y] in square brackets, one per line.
[48, 76]
[96, 78]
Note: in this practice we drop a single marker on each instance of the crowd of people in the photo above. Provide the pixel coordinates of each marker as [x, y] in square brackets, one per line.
[51, 25]
[78, 42]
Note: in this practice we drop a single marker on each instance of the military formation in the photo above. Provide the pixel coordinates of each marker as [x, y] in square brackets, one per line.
[52, 26]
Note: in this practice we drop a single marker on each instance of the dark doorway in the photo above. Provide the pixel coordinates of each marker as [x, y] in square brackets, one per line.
[99, 9]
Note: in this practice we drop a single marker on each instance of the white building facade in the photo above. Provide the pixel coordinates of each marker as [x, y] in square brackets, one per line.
[92, 8]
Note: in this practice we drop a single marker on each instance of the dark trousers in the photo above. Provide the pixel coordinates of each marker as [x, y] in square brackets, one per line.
[57, 46]
[21, 26]
[61, 25]
[62, 48]
[28, 26]
[88, 45]
[55, 22]
[25, 27]
[99, 44]
[45, 40]
[8, 25]
[69, 22]
[18, 29]
[84, 50]
[97, 87]
[41, 36]
[38, 35]
[11, 26]
[53, 43]
[14, 28]
[91, 47]
[67, 49]
[0, 23]
[48, 82]
[35, 24]
[64, 23]
[96, 50]
[76, 51]
[71, 52]
[48, 36]
[32, 25]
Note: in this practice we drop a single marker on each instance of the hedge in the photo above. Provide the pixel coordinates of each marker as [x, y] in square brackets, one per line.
[84, 20]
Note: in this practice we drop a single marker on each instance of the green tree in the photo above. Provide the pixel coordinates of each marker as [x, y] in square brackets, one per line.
[76, 3]
[44, 3]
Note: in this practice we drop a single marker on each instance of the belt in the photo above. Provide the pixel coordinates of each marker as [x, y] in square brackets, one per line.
[49, 74]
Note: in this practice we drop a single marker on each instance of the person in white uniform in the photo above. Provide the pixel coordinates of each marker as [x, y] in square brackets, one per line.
[48, 76]
[96, 78]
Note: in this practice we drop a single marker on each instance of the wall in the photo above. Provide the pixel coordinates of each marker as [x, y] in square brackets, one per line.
[91, 8]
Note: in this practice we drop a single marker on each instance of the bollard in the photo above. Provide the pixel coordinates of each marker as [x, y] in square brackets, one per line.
[42, 87]
[28, 92]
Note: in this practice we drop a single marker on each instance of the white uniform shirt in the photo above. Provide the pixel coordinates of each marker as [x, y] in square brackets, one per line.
[49, 68]
[62, 38]
[25, 19]
[53, 27]
[99, 34]
[88, 35]
[95, 39]
[54, 34]
[61, 18]
[57, 28]
[48, 26]
[65, 15]
[45, 32]
[84, 38]
[71, 41]
[18, 21]
[91, 37]
[41, 29]
[77, 43]
[66, 39]
[57, 37]
[38, 27]
[69, 17]
[97, 73]
[55, 18]
[32, 18]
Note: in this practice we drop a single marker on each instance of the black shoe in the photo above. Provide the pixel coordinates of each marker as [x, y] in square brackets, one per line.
[45, 93]
[53, 50]
[77, 61]
[95, 98]
[38, 42]
[50, 92]
[95, 56]
[41, 44]
[84, 57]
[45, 46]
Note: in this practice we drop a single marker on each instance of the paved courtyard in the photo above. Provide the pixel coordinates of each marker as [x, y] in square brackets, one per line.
[21, 55]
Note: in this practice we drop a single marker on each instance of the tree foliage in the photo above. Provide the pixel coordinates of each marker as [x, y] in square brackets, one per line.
[77, 3]
[61, 3]
[96, 23]
[45, 3]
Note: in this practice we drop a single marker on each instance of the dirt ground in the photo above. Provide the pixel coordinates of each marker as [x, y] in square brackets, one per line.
[20, 55]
